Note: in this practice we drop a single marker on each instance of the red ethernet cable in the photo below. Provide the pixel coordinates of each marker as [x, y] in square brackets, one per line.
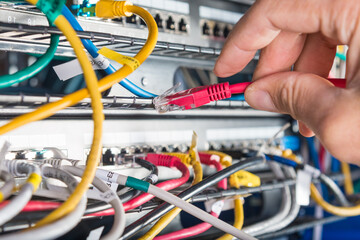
[211, 159]
[32, 206]
[196, 97]
[207, 159]
[158, 160]
[187, 232]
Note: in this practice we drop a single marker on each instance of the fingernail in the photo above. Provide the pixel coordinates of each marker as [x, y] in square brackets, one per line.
[260, 100]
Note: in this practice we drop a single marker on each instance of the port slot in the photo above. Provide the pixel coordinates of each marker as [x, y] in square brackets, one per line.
[119, 20]
[142, 22]
[206, 29]
[159, 21]
[108, 158]
[217, 31]
[226, 31]
[182, 25]
[131, 20]
[170, 24]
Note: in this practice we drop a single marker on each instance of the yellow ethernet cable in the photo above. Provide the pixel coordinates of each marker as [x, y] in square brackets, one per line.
[348, 184]
[92, 85]
[191, 159]
[105, 83]
[238, 179]
[316, 196]
[71, 99]
[239, 218]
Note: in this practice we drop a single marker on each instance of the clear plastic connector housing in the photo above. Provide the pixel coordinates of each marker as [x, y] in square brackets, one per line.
[162, 102]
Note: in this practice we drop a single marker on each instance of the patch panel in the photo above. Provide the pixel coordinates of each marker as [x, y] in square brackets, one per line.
[168, 22]
[116, 155]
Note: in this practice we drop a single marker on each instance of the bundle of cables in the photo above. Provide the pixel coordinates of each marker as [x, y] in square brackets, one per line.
[52, 10]
[69, 213]
[107, 195]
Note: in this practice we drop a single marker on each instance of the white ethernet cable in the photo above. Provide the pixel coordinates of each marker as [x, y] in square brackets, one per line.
[9, 183]
[20, 168]
[290, 172]
[61, 226]
[174, 200]
[109, 196]
[285, 208]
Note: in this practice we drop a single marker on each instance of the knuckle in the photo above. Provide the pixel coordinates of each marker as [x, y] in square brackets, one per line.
[288, 94]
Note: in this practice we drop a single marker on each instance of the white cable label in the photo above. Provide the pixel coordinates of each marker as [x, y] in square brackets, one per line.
[303, 182]
[214, 157]
[226, 205]
[101, 61]
[73, 68]
[217, 207]
[109, 178]
[95, 234]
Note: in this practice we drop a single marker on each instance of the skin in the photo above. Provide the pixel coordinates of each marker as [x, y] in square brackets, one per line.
[303, 34]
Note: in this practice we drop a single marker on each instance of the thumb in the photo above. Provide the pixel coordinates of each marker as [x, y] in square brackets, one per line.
[306, 97]
[330, 112]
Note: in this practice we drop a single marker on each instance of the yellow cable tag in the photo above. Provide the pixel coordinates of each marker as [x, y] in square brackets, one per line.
[133, 63]
[35, 180]
[1, 197]
[194, 155]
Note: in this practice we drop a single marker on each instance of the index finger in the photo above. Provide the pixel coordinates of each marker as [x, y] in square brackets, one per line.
[261, 25]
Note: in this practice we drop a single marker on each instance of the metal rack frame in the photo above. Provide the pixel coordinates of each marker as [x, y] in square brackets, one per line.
[12, 105]
[20, 37]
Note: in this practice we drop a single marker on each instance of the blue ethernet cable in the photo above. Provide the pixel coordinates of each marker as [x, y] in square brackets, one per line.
[315, 158]
[237, 97]
[126, 83]
[282, 160]
[93, 51]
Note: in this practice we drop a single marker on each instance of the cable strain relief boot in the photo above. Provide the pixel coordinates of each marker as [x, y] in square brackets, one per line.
[112, 9]
[161, 159]
[219, 91]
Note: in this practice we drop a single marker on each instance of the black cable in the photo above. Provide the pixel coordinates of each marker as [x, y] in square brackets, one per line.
[151, 178]
[149, 166]
[188, 193]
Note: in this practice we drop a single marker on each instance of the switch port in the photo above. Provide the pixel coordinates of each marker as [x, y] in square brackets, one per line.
[142, 22]
[20, 155]
[159, 21]
[206, 29]
[108, 158]
[226, 31]
[131, 20]
[170, 24]
[182, 25]
[217, 31]
[120, 20]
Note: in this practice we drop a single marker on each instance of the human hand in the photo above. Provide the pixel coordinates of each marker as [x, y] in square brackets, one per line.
[303, 34]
